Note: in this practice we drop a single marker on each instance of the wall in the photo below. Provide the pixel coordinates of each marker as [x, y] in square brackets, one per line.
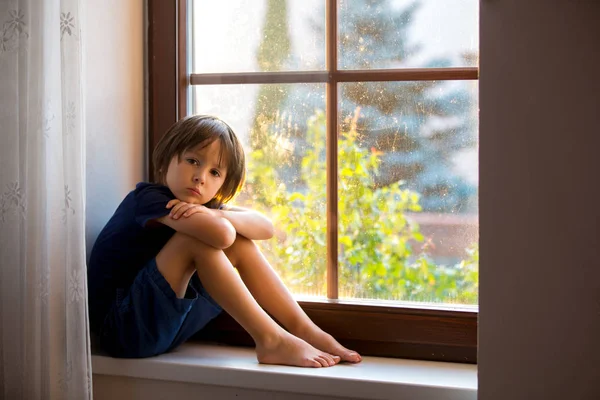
[117, 388]
[114, 91]
[540, 199]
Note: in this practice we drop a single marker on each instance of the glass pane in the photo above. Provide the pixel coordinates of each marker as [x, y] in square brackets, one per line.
[408, 217]
[285, 179]
[408, 33]
[261, 35]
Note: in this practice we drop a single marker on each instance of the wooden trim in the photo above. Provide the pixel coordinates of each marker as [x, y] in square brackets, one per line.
[182, 62]
[415, 74]
[165, 89]
[259, 78]
[414, 333]
[331, 152]
[375, 75]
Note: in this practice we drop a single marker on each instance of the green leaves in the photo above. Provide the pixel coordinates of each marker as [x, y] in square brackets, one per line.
[375, 238]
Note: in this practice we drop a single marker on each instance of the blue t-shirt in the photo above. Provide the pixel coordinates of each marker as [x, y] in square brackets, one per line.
[125, 246]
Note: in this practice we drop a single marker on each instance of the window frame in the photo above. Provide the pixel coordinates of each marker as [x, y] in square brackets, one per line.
[436, 333]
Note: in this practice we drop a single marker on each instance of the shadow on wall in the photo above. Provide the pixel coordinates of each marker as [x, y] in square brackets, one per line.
[108, 180]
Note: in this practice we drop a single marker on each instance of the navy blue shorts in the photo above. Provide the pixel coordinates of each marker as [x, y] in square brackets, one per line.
[149, 319]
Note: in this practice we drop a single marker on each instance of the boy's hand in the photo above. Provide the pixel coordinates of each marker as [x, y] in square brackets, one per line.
[182, 209]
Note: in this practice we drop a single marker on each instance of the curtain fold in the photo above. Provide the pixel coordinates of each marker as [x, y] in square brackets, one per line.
[44, 334]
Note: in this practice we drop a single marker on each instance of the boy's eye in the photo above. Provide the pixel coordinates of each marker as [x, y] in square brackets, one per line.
[215, 173]
[192, 161]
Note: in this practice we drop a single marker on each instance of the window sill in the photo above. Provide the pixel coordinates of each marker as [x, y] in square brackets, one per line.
[374, 378]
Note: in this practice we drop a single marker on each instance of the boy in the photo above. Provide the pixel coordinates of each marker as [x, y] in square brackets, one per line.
[162, 266]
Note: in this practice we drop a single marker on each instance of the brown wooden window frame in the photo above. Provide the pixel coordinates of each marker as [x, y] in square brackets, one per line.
[417, 332]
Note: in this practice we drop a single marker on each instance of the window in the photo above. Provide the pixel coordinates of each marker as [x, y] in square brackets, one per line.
[352, 149]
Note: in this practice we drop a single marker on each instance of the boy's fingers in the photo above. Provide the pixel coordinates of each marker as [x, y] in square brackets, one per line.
[177, 207]
[195, 210]
[171, 203]
[174, 208]
[180, 210]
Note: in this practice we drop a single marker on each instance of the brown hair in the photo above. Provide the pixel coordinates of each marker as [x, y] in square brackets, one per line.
[191, 131]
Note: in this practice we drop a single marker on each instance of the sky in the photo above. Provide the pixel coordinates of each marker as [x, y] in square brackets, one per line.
[443, 27]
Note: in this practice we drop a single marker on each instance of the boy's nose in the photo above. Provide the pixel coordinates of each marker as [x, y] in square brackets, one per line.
[199, 179]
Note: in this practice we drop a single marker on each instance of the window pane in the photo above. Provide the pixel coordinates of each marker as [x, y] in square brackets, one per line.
[408, 218]
[408, 33]
[283, 139]
[261, 35]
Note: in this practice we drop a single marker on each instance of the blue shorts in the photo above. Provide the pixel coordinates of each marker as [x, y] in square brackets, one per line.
[149, 319]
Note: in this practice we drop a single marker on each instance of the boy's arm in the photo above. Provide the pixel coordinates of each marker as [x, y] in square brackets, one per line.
[248, 223]
[204, 226]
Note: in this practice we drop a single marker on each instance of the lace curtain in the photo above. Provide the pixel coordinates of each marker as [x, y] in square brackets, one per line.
[44, 338]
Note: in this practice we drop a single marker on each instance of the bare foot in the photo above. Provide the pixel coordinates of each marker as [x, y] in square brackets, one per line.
[287, 349]
[324, 341]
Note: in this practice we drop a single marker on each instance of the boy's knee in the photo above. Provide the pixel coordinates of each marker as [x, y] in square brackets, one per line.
[242, 241]
[239, 246]
[191, 245]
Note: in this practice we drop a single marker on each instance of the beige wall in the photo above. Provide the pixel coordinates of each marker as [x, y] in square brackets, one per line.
[114, 93]
[540, 200]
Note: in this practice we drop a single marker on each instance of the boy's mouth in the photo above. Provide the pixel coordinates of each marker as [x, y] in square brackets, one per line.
[195, 191]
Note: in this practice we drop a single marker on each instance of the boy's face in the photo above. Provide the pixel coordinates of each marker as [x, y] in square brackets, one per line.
[198, 176]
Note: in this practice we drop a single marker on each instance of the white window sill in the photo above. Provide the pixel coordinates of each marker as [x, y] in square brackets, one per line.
[373, 378]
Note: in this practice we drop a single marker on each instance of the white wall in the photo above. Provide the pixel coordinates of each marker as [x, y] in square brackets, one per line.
[114, 93]
[539, 321]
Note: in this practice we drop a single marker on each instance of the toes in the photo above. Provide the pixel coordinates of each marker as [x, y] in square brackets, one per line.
[313, 363]
[352, 356]
[322, 361]
[331, 359]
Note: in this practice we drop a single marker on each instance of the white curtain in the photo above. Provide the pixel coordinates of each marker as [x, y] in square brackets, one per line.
[44, 338]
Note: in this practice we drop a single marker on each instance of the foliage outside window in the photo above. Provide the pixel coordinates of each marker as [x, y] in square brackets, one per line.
[375, 236]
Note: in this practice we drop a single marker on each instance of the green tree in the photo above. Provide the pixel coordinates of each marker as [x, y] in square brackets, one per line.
[387, 167]
[375, 34]
[376, 239]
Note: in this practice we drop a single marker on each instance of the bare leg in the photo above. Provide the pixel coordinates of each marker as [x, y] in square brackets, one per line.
[267, 288]
[183, 255]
